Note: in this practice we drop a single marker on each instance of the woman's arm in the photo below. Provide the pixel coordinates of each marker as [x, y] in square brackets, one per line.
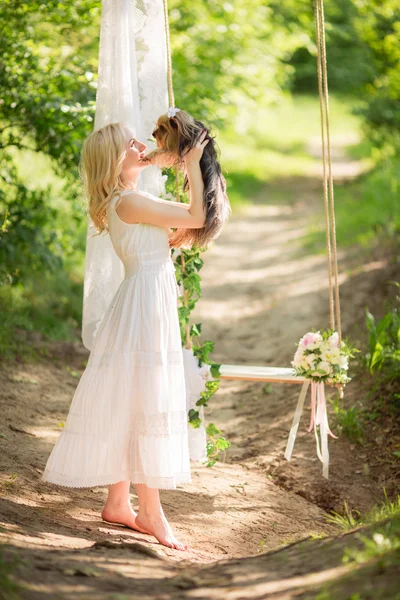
[139, 208]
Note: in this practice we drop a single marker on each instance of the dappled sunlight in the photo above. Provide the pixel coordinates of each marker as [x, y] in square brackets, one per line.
[45, 433]
[286, 278]
[8, 527]
[68, 590]
[260, 211]
[257, 583]
[25, 501]
[23, 540]
[21, 376]
[65, 541]
[343, 168]
[277, 270]
[251, 231]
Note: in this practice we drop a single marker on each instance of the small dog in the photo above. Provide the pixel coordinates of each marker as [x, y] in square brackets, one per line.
[176, 135]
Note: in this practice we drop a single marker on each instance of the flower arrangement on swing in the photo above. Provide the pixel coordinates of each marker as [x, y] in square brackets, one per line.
[322, 358]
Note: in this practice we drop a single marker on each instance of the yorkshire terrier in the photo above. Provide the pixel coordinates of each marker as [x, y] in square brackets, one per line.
[175, 135]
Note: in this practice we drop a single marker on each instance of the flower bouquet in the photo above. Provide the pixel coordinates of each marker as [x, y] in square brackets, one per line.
[319, 357]
[322, 359]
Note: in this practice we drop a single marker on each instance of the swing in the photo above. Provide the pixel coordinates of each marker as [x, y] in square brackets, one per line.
[284, 374]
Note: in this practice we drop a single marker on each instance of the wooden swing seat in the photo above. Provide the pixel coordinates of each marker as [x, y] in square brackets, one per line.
[259, 373]
[267, 374]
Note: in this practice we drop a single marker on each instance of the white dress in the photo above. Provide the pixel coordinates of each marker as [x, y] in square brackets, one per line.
[128, 416]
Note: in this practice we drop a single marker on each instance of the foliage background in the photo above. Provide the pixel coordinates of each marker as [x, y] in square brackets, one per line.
[248, 68]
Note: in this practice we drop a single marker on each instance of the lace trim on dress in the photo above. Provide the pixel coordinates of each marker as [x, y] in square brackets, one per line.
[162, 424]
[161, 483]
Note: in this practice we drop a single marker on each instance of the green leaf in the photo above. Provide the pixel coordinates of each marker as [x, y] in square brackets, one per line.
[212, 429]
[377, 356]
[215, 370]
[195, 330]
[203, 400]
[212, 386]
[222, 443]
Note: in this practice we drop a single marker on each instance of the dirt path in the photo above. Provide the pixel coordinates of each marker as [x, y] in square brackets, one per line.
[262, 291]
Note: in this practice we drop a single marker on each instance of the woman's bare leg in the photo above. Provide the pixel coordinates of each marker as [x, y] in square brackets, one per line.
[151, 517]
[118, 507]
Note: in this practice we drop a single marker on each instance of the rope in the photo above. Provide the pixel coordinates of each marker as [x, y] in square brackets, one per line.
[329, 203]
[177, 193]
[169, 56]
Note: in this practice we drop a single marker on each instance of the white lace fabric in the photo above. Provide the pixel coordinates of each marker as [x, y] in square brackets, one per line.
[132, 88]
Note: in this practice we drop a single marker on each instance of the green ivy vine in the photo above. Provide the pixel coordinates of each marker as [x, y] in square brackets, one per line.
[188, 263]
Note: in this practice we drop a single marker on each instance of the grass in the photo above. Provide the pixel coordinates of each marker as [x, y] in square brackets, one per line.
[9, 589]
[372, 558]
[383, 542]
[384, 510]
[8, 484]
[372, 555]
[348, 420]
[367, 210]
[49, 304]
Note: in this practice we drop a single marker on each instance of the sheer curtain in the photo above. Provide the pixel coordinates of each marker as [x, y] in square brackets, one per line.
[132, 88]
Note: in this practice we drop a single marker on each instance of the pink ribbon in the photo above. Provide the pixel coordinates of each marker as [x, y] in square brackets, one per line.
[319, 416]
[322, 415]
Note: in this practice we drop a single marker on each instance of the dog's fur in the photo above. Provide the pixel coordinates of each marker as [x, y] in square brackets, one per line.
[175, 136]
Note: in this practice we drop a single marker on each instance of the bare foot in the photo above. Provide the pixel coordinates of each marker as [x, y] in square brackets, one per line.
[122, 515]
[158, 526]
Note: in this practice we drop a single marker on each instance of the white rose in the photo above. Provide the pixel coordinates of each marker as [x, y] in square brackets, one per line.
[333, 356]
[304, 364]
[325, 347]
[299, 354]
[312, 345]
[310, 358]
[297, 359]
[343, 361]
[334, 339]
[324, 366]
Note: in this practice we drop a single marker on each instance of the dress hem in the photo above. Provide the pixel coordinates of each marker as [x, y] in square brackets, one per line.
[60, 480]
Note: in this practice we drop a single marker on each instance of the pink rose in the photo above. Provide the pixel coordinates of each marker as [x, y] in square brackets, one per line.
[310, 338]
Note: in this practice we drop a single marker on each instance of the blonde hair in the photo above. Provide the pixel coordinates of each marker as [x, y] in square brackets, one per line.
[101, 161]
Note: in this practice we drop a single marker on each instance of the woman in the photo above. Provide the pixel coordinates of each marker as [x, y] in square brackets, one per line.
[128, 421]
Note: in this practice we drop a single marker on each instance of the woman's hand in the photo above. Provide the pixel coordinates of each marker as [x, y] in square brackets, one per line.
[194, 155]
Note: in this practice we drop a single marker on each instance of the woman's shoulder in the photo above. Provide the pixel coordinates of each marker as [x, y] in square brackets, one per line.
[130, 211]
[132, 193]
[118, 195]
